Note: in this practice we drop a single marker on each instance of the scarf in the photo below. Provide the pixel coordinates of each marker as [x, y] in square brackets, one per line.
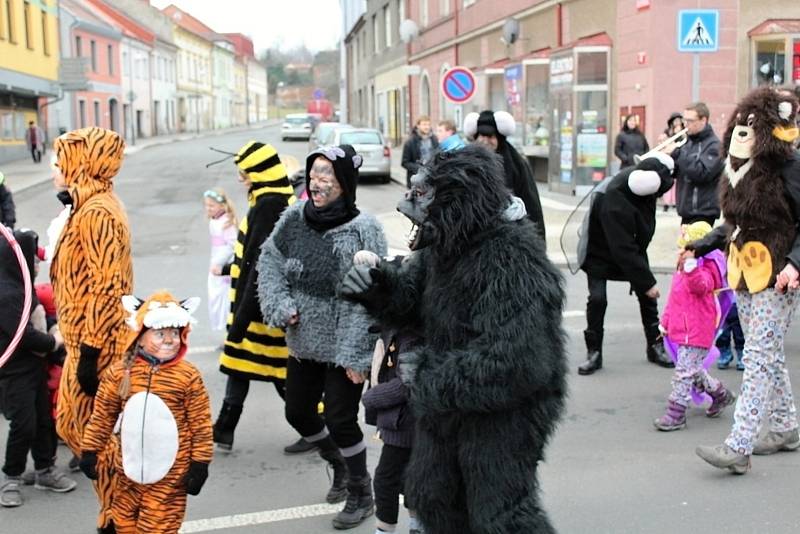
[334, 214]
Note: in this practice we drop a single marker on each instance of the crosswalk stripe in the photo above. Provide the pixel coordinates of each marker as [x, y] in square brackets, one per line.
[259, 518]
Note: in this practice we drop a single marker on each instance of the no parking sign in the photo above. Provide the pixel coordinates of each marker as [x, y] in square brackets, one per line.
[458, 85]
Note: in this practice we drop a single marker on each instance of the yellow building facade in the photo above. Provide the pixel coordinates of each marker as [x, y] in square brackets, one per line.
[29, 60]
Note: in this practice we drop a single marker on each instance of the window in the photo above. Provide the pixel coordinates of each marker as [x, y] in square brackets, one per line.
[110, 50]
[45, 35]
[26, 11]
[82, 113]
[387, 19]
[93, 51]
[97, 121]
[423, 13]
[78, 46]
[12, 30]
[125, 64]
[375, 40]
[770, 63]
[444, 7]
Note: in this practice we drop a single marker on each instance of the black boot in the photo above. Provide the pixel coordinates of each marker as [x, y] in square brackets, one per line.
[338, 491]
[225, 426]
[657, 354]
[300, 446]
[108, 529]
[594, 353]
[359, 505]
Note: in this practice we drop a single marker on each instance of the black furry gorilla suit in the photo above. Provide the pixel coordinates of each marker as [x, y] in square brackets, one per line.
[490, 382]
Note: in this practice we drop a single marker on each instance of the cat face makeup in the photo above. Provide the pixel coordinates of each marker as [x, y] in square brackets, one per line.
[323, 187]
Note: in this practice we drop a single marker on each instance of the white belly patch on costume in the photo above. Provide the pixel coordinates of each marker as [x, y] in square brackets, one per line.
[149, 436]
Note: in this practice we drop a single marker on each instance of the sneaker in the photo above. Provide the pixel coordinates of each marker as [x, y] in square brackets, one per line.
[777, 441]
[10, 495]
[724, 457]
[29, 478]
[52, 480]
[725, 358]
[740, 365]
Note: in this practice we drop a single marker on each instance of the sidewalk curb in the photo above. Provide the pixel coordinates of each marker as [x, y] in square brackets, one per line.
[130, 150]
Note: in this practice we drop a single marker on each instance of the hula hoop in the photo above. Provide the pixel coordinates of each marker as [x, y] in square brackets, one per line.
[26, 306]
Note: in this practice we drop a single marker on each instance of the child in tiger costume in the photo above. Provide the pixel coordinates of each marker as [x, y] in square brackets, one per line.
[91, 270]
[154, 408]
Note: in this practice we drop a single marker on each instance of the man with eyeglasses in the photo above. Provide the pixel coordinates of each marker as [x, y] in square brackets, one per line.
[697, 168]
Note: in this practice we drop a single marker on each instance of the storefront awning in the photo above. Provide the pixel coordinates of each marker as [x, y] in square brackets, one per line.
[775, 26]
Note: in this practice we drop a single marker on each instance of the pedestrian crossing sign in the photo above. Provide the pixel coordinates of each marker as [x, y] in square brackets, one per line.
[698, 30]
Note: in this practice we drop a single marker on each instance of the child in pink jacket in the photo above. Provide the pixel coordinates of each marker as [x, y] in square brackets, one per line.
[690, 321]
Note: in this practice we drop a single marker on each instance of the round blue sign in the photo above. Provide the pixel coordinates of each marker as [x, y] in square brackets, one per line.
[458, 85]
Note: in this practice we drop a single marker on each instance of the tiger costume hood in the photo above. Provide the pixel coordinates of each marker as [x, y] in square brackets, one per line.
[160, 310]
[89, 159]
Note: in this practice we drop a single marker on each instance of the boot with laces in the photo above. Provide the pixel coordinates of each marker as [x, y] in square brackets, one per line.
[338, 491]
[359, 504]
[777, 441]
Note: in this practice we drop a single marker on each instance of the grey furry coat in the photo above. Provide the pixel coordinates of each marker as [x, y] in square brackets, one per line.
[299, 271]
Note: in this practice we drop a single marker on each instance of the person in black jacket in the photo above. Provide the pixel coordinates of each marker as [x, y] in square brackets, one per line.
[697, 168]
[630, 142]
[418, 148]
[8, 215]
[622, 223]
[492, 129]
[23, 380]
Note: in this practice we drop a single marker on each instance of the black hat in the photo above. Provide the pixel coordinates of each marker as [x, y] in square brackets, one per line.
[345, 163]
[497, 123]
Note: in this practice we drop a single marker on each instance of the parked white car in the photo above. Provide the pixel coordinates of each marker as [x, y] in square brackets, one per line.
[369, 143]
[296, 126]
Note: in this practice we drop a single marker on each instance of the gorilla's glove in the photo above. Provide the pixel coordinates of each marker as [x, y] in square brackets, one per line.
[365, 284]
[88, 464]
[87, 369]
[195, 477]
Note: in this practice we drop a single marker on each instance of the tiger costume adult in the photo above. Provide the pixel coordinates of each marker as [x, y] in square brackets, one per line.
[253, 350]
[164, 438]
[91, 270]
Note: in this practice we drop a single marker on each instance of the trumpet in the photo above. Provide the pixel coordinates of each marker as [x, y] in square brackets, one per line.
[676, 141]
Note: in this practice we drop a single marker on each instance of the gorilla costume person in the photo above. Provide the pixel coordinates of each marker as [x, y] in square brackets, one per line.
[490, 379]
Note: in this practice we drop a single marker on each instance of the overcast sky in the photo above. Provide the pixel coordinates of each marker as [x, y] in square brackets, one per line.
[287, 23]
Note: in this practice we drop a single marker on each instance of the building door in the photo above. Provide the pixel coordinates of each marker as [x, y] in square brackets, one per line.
[139, 123]
[157, 116]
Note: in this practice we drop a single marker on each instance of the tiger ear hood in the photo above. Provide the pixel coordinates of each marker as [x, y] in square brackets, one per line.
[88, 159]
[160, 310]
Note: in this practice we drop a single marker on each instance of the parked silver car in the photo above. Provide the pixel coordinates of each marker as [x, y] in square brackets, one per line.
[319, 136]
[296, 126]
[369, 143]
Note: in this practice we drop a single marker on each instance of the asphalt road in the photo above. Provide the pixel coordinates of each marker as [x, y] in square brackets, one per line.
[607, 470]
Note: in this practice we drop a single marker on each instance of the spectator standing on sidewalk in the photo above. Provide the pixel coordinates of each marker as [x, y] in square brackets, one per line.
[419, 147]
[8, 212]
[447, 136]
[630, 142]
[697, 168]
[674, 125]
[23, 381]
[34, 138]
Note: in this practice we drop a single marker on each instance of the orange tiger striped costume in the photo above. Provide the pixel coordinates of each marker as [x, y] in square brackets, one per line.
[90, 271]
[157, 507]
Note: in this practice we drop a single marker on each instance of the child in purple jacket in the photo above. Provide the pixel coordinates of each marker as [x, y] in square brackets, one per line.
[690, 320]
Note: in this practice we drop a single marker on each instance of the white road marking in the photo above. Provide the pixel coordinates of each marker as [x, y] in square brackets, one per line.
[259, 518]
[573, 313]
[202, 350]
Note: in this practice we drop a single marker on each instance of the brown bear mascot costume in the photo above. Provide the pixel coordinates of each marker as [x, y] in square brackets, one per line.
[760, 197]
